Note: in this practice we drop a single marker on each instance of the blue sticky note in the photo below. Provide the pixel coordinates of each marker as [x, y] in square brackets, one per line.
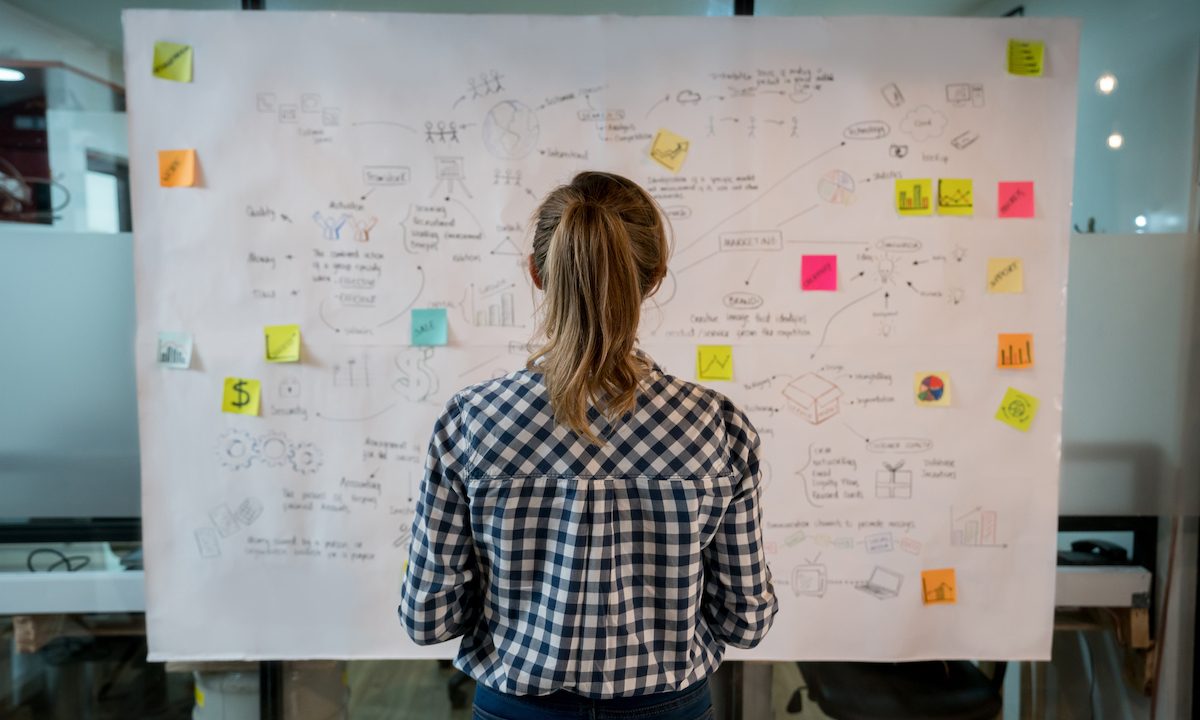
[430, 326]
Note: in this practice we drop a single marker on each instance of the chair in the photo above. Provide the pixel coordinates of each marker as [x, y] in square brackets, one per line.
[956, 690]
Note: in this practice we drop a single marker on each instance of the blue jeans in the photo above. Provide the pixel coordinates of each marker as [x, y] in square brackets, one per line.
[692, 703]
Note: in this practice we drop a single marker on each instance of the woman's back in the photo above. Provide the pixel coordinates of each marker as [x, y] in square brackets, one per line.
[590, 524]
[608, 570]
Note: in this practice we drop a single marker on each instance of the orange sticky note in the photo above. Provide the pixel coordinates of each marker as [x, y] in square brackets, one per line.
[1015, 351]
[938, 587]
[177, 168]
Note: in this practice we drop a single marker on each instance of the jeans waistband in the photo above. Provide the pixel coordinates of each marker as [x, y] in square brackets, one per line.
[567, 700]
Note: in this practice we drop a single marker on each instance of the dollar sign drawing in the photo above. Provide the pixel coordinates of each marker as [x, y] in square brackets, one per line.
[243, 395]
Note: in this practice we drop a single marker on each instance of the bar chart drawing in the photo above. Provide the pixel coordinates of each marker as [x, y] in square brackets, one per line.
[913, 201]
[171, 354]
[1015, 351]
[491, 306]
[978, 527]
[914, 196]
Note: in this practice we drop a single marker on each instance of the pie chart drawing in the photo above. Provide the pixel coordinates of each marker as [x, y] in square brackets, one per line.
[836, 187]
[931, 389]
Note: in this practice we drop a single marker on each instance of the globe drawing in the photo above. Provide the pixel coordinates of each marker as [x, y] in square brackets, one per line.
[510, 130]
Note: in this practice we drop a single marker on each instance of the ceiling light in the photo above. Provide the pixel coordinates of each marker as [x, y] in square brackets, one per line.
[1115, 141]
[10, 75]
[1106, 83]
[1140, 221]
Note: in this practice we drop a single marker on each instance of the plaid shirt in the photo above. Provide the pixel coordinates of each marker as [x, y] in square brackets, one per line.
[612, 570]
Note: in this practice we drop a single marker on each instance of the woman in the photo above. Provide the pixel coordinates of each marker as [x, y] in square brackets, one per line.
[590, 525]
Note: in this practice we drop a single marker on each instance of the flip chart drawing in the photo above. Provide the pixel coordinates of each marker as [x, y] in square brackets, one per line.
[354, 250]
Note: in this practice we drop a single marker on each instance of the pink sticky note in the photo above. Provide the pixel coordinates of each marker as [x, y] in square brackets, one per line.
[1015, 200]
[818, 272]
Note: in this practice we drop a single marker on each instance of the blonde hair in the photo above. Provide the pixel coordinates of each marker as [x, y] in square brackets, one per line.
[600, 249]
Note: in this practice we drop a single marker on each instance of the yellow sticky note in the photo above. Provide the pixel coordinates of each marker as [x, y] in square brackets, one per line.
[938, 587]
[931, 389]
[173, 61]
[914, 197]
[1005, 275]
[282, 343]
[955, 197]
[199, 697]
[177, 168]
[669, 150]
[1026, 57]
[241, 396]
[714, 362]
[1014, 351]
[1017, 409]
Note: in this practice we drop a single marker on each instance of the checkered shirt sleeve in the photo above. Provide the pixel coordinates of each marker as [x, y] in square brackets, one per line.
[440, 596]
[739, 599]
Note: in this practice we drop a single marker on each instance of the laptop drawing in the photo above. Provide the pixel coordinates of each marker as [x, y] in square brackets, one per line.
[883, 583]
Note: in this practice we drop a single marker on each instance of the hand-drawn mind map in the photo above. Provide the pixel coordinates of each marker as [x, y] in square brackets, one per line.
[861, 209]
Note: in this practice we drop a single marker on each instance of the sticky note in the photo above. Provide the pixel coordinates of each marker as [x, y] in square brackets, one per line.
[669, 150]
[1017, 409]
[938, 587]
[818, 272]
[175, 350]
[430, 326]
[1015, 199]
[1005, 275]
[241, 396]
[173, 61]
[914, 197]
[1026, 57]
[177, 168]
[714, 362]
[931, 389]
[282, 343]
[1014, 351]
[955, 197]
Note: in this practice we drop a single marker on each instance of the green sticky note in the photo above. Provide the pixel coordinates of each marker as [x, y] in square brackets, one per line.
[241, 396]
[1017, 409]
[714, 362]
[173, 61]
[1026, 57]
[282, 343]
[430, 326]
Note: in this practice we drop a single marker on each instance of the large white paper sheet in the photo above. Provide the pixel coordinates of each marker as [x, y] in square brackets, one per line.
[353, 167]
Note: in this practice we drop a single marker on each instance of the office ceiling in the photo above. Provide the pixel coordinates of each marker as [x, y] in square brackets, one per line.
[100, 20]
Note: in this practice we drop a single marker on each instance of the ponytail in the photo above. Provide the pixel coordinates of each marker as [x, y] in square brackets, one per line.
[600, 249]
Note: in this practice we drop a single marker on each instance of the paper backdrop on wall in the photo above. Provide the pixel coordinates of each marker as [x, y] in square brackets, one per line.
[368, 179]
